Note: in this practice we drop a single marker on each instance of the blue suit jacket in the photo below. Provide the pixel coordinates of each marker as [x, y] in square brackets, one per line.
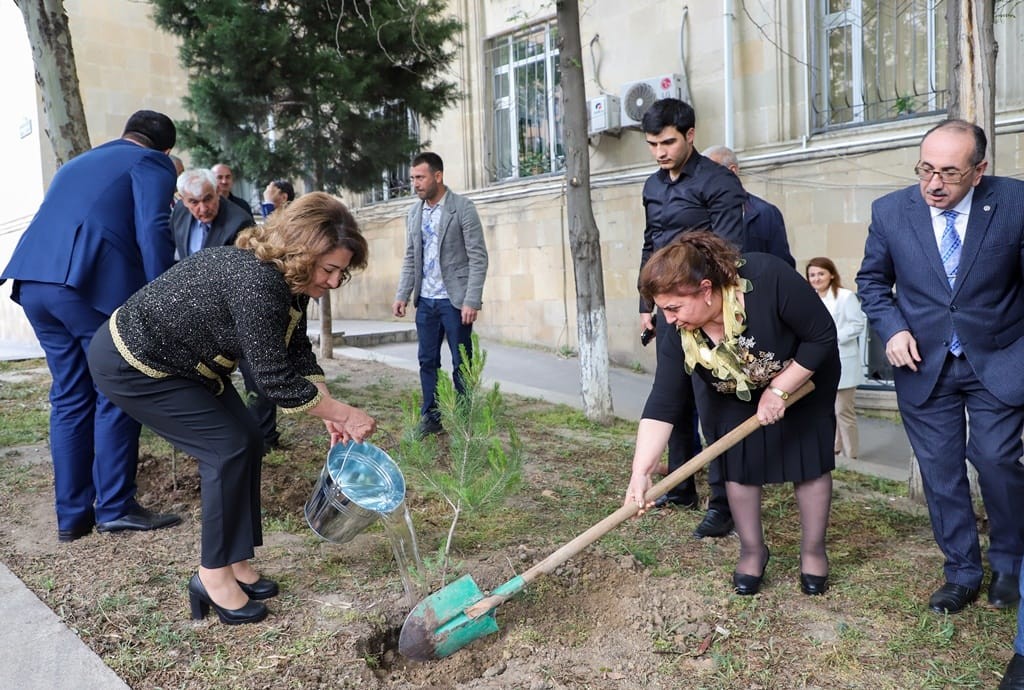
[766, 230]
[986, 304]
[102, 227]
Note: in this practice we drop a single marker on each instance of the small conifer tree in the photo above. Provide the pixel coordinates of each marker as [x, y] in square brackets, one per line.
[481, 462]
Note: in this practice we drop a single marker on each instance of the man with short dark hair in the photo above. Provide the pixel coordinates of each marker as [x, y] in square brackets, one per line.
[445, 266]
[277, 195]
[225, 183]
[942, 282]
[689, 192]
[100, 234]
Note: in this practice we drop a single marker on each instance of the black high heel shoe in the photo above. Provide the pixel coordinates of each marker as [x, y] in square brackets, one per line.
[749, 585]
[813, 585]
[261, 589]
[200, 602]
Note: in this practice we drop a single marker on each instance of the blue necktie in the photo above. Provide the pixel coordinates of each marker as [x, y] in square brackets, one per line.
[949, 250]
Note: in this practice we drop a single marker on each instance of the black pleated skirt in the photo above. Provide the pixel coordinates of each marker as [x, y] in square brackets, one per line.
[797, 449]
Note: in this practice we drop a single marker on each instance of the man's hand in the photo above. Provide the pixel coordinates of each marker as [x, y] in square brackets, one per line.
[398, 308]
[646, 322]
[468, 315]
[901, 350]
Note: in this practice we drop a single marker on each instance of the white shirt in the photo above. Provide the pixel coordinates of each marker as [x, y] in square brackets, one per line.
[963, 211]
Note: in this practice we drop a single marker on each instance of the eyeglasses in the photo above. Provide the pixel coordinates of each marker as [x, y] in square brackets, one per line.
[926, 172]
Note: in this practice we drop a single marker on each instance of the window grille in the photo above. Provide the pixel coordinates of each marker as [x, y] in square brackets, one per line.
[877, 60]
[394, 181]
[526, 88]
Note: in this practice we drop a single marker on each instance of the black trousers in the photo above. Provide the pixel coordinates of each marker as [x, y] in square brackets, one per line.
[260, 406]
[218, 430]
[684, 441]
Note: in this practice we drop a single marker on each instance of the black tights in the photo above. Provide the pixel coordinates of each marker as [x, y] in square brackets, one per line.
[813, 499]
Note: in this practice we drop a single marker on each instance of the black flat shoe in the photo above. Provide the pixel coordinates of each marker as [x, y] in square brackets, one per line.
[200, 602]
[1003, 590]
[688, 502]
[716, 523]
[749, 585]
[951, 598]
[261, 589]
[140, 519]
[813, 585]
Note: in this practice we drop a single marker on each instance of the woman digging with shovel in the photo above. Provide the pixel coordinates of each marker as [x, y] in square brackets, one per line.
[751, 331]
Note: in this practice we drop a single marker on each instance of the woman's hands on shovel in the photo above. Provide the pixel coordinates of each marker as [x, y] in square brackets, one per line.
[651, 439]
[639, 484]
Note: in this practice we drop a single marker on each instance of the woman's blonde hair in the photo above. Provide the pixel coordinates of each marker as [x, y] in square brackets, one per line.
[680, 267]
[294, 238]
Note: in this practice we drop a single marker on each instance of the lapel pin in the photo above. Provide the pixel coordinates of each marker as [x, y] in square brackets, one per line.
[986, 207]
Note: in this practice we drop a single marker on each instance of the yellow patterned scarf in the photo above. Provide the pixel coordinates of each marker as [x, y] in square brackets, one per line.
[726, 359]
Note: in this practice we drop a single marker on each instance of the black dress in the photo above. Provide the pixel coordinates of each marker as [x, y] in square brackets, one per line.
[786, 320]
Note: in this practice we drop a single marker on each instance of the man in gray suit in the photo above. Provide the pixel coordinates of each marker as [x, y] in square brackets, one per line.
[445, 266]
[202, 218]
[953, 249]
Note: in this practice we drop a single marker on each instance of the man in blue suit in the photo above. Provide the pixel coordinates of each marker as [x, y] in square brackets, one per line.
[766, 230]
[953, 249]
[100, 234]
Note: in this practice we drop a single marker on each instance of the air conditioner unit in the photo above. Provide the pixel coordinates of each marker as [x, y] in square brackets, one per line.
[638, 96]
[603, 115]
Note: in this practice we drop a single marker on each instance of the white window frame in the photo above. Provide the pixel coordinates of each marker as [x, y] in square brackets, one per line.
[509, 108]
[851, 18]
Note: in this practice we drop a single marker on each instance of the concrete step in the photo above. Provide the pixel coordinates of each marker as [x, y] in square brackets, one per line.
[357, 333]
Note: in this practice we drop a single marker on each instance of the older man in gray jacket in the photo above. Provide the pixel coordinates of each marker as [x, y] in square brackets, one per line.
[445, 266]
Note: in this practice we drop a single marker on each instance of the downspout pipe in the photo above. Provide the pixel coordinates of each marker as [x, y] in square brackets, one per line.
[727, 69]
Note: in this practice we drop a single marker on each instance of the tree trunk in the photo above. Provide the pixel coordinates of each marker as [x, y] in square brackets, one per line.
[56, 76]
[326, 318]
[584, 238]
[972, 66]
[326, 327]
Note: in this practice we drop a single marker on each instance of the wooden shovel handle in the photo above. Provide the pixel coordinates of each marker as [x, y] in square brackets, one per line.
[602, 528]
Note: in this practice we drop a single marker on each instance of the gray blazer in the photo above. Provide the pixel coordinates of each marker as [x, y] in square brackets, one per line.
[230, 221]
[463, 253]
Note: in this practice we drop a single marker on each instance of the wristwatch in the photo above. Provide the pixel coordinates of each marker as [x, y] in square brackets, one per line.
[779, 392]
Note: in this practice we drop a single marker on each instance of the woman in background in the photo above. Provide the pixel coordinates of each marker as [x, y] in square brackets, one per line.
[845, 310]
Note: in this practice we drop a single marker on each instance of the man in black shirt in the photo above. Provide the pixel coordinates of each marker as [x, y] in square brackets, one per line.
[689, 192]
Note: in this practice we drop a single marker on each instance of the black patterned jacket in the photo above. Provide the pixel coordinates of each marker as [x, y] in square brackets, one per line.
[201, 316]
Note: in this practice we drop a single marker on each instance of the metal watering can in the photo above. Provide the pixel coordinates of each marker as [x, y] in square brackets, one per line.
[359, 484]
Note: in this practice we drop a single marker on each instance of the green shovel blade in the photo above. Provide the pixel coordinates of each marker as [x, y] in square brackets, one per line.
[438, 626]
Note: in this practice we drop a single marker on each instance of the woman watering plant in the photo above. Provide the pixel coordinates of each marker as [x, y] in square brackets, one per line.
[167, 355]
[751, 331]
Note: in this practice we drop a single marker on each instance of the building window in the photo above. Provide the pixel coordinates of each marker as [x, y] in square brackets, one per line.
[527, 127]
[877, 60]
[394, 181]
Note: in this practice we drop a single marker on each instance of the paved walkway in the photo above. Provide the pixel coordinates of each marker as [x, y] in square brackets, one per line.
[38, 652]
